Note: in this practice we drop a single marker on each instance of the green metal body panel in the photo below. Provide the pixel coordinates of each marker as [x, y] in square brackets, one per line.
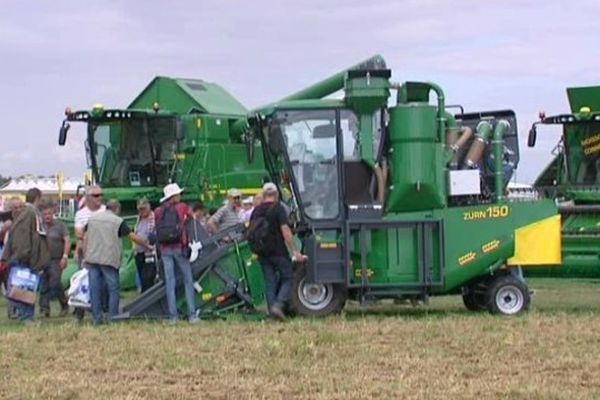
[216, 296]
[457, 249]
[185, 95]
[335, 82]
[417, 179]
[588, 96]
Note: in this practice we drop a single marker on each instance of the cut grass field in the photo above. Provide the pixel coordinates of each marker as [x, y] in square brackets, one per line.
[383, 351]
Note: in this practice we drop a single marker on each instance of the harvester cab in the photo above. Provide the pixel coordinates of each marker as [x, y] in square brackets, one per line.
[129, 148]
[573, 179]
[187, 131]
[578, 164]
[401, 201]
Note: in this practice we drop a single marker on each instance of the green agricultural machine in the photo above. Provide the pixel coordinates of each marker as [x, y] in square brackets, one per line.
[405, 200]
[573, 180]
[389, 201]
[176, 130]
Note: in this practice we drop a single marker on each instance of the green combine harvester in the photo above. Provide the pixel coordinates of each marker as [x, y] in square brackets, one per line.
[400, 201]
[573, 180]
[176, 130]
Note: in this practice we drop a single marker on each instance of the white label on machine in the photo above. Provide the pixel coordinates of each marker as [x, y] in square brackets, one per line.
[464, 182]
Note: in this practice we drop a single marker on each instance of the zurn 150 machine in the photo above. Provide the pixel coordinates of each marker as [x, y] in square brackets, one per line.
[573, 179]
[404, 200]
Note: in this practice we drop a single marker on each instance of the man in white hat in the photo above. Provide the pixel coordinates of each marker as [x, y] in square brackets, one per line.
[171, 218]
[228, 215]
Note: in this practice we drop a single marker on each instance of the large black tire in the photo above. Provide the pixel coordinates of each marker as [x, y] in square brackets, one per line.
[473, 301]
[507, 295]
[316, 300]
[474, 296]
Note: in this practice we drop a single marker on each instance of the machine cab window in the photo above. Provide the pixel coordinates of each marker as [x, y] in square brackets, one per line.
[311, 143]
[133, 152]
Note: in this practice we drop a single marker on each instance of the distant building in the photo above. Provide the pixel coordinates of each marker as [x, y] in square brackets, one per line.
[64, 198]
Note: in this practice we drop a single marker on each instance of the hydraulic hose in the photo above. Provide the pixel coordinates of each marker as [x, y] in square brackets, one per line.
[498, 142]
[482, 135]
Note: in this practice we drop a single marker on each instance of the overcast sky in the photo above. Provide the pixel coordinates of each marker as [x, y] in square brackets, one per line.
[514, 54]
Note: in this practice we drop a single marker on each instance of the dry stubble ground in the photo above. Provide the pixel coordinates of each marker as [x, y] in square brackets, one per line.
[388, 352]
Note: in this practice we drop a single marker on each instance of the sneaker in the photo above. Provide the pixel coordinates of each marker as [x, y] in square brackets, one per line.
[277, 313]
[194, 320]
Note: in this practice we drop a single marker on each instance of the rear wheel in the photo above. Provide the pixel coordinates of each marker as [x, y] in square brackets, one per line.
[316, 299]
[507, 295]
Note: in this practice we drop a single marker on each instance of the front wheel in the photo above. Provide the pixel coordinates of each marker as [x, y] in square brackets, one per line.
[316, 299]
[507, 295]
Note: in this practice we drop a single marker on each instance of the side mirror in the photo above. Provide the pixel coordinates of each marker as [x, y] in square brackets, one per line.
[62, 134]
[179, 131]
[532, 136]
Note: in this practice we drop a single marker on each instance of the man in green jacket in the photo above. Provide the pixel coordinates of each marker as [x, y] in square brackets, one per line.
[26, 246]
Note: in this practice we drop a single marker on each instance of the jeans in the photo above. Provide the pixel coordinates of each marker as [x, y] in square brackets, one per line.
[100, 275]
[170, 258]
[145, 271]
[23, 311]
[279, 277]
[51, 287]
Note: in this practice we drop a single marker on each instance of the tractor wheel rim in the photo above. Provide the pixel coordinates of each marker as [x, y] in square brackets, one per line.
[509, 299]
[315, 296]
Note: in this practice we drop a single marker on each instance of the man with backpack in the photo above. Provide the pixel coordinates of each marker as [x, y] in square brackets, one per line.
[171, 219]
[268, 235]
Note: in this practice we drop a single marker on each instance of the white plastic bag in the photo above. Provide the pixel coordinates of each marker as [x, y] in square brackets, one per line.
[79, 291]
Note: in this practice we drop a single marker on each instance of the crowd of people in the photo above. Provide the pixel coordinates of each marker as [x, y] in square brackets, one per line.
[169, 236]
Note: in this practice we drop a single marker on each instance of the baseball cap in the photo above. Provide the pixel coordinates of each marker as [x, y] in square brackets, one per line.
[233, 192]
[269, 187]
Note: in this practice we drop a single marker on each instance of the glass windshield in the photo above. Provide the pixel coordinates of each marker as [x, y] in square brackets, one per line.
[127, 154]
[310, 138]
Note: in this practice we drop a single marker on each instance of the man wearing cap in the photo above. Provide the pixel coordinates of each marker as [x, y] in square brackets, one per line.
[275, 259]
[173, 247]
[246, 210]
[228, 215]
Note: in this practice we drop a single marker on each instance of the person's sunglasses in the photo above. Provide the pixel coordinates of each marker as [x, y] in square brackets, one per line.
[237, 198]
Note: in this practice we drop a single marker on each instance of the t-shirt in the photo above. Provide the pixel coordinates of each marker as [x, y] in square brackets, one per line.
[55, 236]
[277, 217]
[144, 229]
[124, 229]
[226, 217]
[82, 216]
